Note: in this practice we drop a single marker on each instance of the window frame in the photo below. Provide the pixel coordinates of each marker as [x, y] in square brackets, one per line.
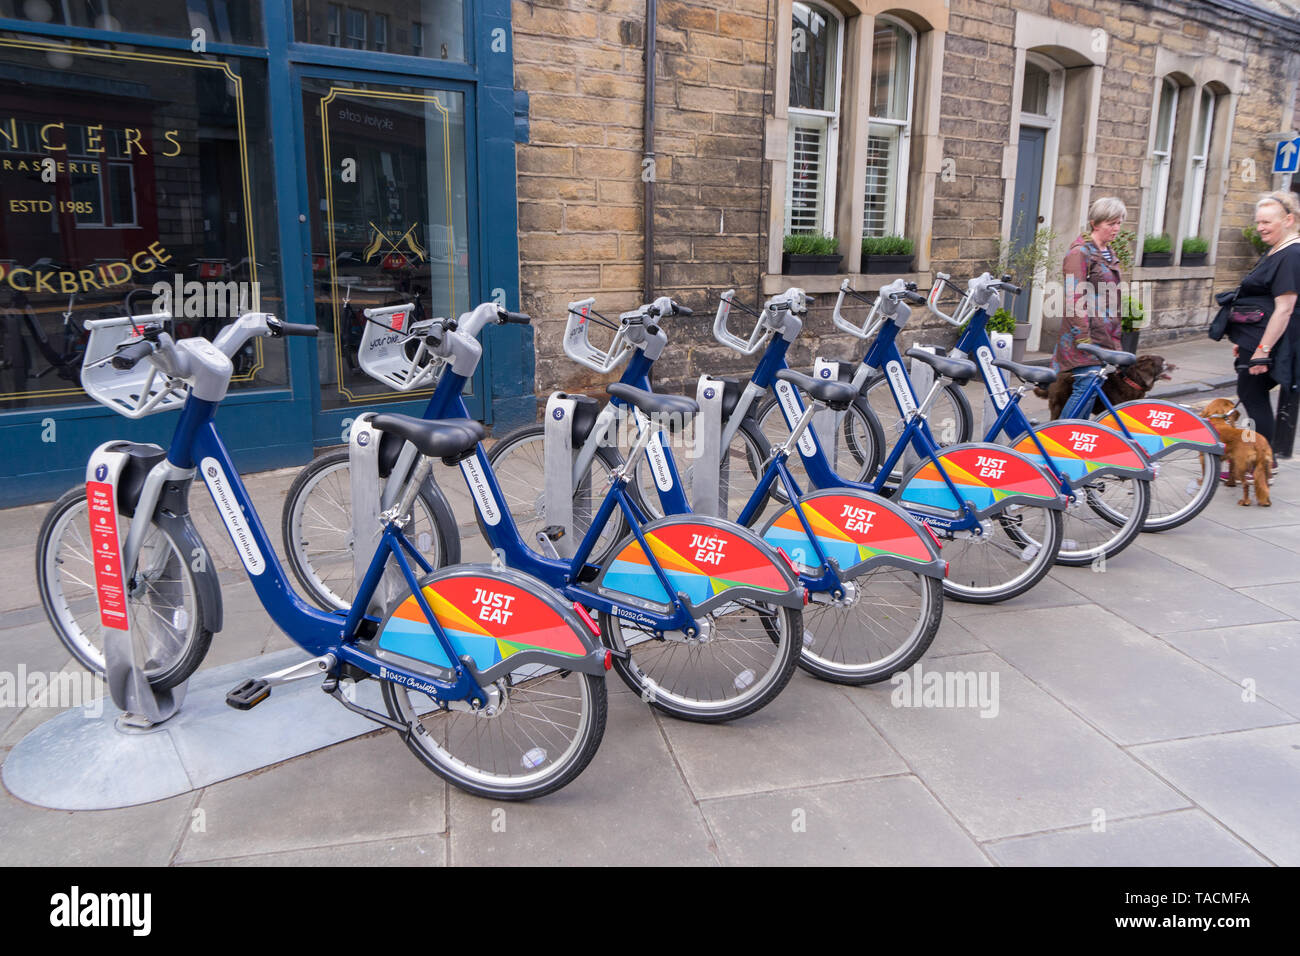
[903, 141]
[1207, 105]
[828, 120]
[1157, 209]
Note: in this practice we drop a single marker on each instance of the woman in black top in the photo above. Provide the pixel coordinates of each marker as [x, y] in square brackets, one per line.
[1269, 290]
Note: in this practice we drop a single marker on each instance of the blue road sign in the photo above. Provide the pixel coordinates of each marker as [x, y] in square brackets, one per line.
[1287, 157]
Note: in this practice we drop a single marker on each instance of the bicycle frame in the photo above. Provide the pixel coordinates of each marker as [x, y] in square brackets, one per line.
[197, 445]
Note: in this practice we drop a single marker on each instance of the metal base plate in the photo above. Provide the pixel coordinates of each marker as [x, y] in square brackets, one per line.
[78, 762]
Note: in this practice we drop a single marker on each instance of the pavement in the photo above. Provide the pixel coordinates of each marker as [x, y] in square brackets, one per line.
[1144, 714]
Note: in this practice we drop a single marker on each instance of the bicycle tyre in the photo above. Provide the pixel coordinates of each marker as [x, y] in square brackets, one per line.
[523, 484]
[815, 656]
[860, 440]
[758, 690]
[330, 583]
[82, 633]
[593, 712]
[951, 410]
[1128, 524]
[1160, 518]
[1036, 567]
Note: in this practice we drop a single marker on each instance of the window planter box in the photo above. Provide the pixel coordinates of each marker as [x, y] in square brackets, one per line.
[793, 263]
[1194, 258]
[1157, 258]
[892, 265]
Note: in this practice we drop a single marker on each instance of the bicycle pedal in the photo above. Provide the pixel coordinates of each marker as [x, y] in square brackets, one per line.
[553, 532]
[249, 693]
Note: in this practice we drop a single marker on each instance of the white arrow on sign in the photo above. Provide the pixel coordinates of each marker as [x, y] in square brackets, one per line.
[1285, 161]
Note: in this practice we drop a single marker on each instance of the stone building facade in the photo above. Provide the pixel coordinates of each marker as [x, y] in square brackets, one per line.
[862, 117]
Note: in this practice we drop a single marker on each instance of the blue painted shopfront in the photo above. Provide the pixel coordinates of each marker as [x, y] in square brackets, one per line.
[327, 156]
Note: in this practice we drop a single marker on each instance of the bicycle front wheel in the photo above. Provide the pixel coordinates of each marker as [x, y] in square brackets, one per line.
[167, 616]
[739, 478]
[859, 445]
[319, 530]
[1013, 551]
[884, 625]
[544, 733]
[740, 666]
[950, 417]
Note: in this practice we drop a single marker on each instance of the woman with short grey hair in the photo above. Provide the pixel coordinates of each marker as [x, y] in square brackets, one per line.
[1092, 284]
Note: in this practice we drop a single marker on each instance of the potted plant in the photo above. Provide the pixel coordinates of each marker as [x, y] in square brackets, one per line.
[1195, 250]
[808, 253]
[1132, 318]
[1256, 241]
[887, 254]
[1004, 321]
[1157, 250]
[1122, 246]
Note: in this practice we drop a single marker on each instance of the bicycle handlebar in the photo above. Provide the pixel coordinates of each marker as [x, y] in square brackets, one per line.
[278, 328]
[513, 318]
[131, 354]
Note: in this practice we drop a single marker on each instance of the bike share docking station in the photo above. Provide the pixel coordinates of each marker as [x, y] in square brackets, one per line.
[144, 746]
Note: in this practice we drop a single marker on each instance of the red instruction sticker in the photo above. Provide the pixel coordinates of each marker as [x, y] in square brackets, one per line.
[108, 557]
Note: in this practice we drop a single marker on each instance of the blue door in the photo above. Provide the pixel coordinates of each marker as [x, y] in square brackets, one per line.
[1025, 218]
[387, 189]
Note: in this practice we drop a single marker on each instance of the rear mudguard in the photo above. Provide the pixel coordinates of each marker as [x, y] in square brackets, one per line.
[708, 560]
[858, 531]
[1162, 427]
[501, 619]
[1081, 450]
[990, 477]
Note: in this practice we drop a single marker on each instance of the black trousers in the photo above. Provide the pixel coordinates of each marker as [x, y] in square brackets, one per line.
[1254, 392]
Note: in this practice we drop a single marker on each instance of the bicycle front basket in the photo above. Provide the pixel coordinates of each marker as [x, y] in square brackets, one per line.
[391, 353]
[134, 392]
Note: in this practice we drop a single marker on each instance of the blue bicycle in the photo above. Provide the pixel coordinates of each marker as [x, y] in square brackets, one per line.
[491, 679]
[702, 616]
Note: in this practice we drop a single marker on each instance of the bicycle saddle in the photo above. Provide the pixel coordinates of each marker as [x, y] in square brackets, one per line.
[959, 370]
[836, 395]
[1118, 359]
[1033, 374]
[652, 403]
[449, 439]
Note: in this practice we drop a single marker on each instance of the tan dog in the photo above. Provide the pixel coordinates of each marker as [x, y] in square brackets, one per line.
[1245, 451]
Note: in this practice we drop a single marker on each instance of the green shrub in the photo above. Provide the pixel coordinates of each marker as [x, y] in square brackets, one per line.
[1160, 243]
[1256, 240]
[887, 246]
[810, 244]
[1195, 245]
[1122, 246]
[1001, 321]
[1132, 316]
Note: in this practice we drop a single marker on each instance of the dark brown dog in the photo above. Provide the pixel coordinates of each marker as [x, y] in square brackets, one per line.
[1245, 451]
[1124, 385]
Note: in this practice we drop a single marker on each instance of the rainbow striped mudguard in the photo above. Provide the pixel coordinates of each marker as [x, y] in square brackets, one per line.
[1162, 427]
[990, 477]
[1081, 449]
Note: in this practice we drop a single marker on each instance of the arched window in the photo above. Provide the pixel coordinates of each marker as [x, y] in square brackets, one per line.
[815, 53]
[1161, 157]
[893, 72]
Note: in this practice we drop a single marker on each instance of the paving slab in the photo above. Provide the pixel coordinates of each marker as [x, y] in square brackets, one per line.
[1052, 591]
[954, 638]
[418, 851]
[370, 788]
[1265, 655]
[786, 744]
[1234, 560]
[890, 821]
[1224, 510]
[1161, 596]
[629, 807]
[1181, 838]
[1247, 781]
[134, 836]
[1034, 766]
[1281, 597]
[1285, 536]
[1133, 687]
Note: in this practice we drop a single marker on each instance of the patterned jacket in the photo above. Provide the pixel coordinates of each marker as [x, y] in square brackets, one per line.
[1091, 304]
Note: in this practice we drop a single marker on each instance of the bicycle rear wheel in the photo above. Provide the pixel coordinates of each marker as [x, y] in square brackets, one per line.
[1104, 519]
[1015, 550]
[1185, 482]
[546, 731]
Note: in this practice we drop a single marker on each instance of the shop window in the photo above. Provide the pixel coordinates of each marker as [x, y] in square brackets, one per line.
[161, 202]
[1162, 156]
[816, 49]
[222, 21]
[375, 25]
[893, 71]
